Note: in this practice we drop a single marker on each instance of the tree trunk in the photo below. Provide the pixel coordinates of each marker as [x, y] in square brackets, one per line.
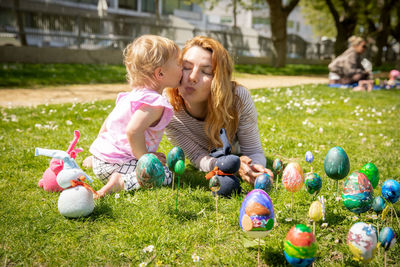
[20, 23]
[345, 23]
[278, 15]
[383, 31]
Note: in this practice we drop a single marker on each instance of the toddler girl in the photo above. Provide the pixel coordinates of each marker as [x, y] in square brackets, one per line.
[136, 124]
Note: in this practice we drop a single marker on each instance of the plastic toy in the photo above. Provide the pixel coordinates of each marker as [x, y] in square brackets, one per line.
[49, 179]
[76, 199]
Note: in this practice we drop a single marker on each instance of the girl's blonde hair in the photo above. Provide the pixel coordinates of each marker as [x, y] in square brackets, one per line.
[144, 55]
[355, 40]
[222, 102]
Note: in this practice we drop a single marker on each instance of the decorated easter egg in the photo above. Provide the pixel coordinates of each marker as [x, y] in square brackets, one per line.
[362, 241]
[391, 190]
[277, 165]
[256, 216]
[175, 154]
[372, 173]
[264, 182]
[313, 183]
[336, 164]
[387, 238]
[315, 211]
[75, 202]
[300, 246]
[179, 167]
[292, 177]
[309, 156]
[149, 171]
[214, 184]
[358, 193]
[378, 204]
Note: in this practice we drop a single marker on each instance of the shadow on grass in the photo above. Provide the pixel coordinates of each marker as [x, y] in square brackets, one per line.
[101, 210]
[274, 256]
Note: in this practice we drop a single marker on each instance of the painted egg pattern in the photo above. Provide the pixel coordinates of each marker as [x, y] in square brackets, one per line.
[256, 215]
[149, 171]
[292, 177]
[315, 211]
[358, 193]
[173, 156]
[313, 183]
[387, 238]
[362, 241]
[214, 184]
[378, 204]
[264, 182]
[372, 173]
[300, 246]
[309, 156]
[277, 165]
[336, 164]
[391, 190]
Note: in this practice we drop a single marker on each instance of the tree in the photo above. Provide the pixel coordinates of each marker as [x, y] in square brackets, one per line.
[279, 13]
[345, 15]
[381, 29]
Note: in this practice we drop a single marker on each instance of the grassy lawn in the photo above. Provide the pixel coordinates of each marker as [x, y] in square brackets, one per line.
[291, 122]
[39, 75]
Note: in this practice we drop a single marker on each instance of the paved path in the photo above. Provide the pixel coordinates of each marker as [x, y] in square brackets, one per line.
[92, 92]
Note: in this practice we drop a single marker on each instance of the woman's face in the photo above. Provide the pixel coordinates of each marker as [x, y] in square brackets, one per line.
[197, 75]
[361, 47]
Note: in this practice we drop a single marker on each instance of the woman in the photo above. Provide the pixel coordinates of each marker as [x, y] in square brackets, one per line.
[347, 68]
[209, 100]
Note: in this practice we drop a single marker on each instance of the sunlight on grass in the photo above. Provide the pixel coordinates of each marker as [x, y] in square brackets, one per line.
[134, 228]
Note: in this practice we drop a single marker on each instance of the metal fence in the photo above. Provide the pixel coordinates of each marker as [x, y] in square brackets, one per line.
[74, 29]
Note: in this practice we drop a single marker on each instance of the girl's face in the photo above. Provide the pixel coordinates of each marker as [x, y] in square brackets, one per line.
[197, 76]
[172, 71]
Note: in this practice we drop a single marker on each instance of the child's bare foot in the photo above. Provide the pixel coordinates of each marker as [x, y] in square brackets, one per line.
[99, 194]
[114, 184]
[88, 162]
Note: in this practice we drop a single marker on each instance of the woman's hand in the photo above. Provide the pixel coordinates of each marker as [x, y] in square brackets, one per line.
[249, 172]
[161, 157]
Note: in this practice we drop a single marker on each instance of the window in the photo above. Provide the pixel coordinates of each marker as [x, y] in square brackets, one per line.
[148, 6]
[128, 4]
[261, 20]
[168, 6]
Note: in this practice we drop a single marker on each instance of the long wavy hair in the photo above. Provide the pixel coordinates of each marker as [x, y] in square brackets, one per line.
[222, 102]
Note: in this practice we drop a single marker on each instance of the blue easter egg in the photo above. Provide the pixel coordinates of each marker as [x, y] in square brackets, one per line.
[256, 216]
[379, 204]
[387, 238]
[309, 156]
[263, 182]
[391, 190]
[277, 165]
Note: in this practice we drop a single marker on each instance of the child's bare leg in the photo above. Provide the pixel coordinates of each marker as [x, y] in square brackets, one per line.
[88, 162]
[114, 184]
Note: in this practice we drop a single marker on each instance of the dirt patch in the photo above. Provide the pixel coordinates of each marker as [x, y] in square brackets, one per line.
[93, 92]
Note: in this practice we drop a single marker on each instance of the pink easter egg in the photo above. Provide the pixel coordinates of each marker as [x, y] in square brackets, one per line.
[292, 177]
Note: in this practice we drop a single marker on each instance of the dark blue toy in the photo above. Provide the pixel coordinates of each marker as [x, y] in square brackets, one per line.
[227, 164]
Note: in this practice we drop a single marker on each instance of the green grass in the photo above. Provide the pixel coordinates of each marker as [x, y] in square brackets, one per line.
[290, 69]
[291, 122]
[34, 75]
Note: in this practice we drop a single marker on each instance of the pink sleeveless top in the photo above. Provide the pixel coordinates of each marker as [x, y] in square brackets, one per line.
[112, 145]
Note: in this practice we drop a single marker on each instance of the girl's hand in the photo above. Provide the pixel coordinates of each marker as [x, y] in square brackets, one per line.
[249, 172]
[161, 157]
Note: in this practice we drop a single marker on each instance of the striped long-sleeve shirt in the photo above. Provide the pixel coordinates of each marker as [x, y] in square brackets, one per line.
[189, 134]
